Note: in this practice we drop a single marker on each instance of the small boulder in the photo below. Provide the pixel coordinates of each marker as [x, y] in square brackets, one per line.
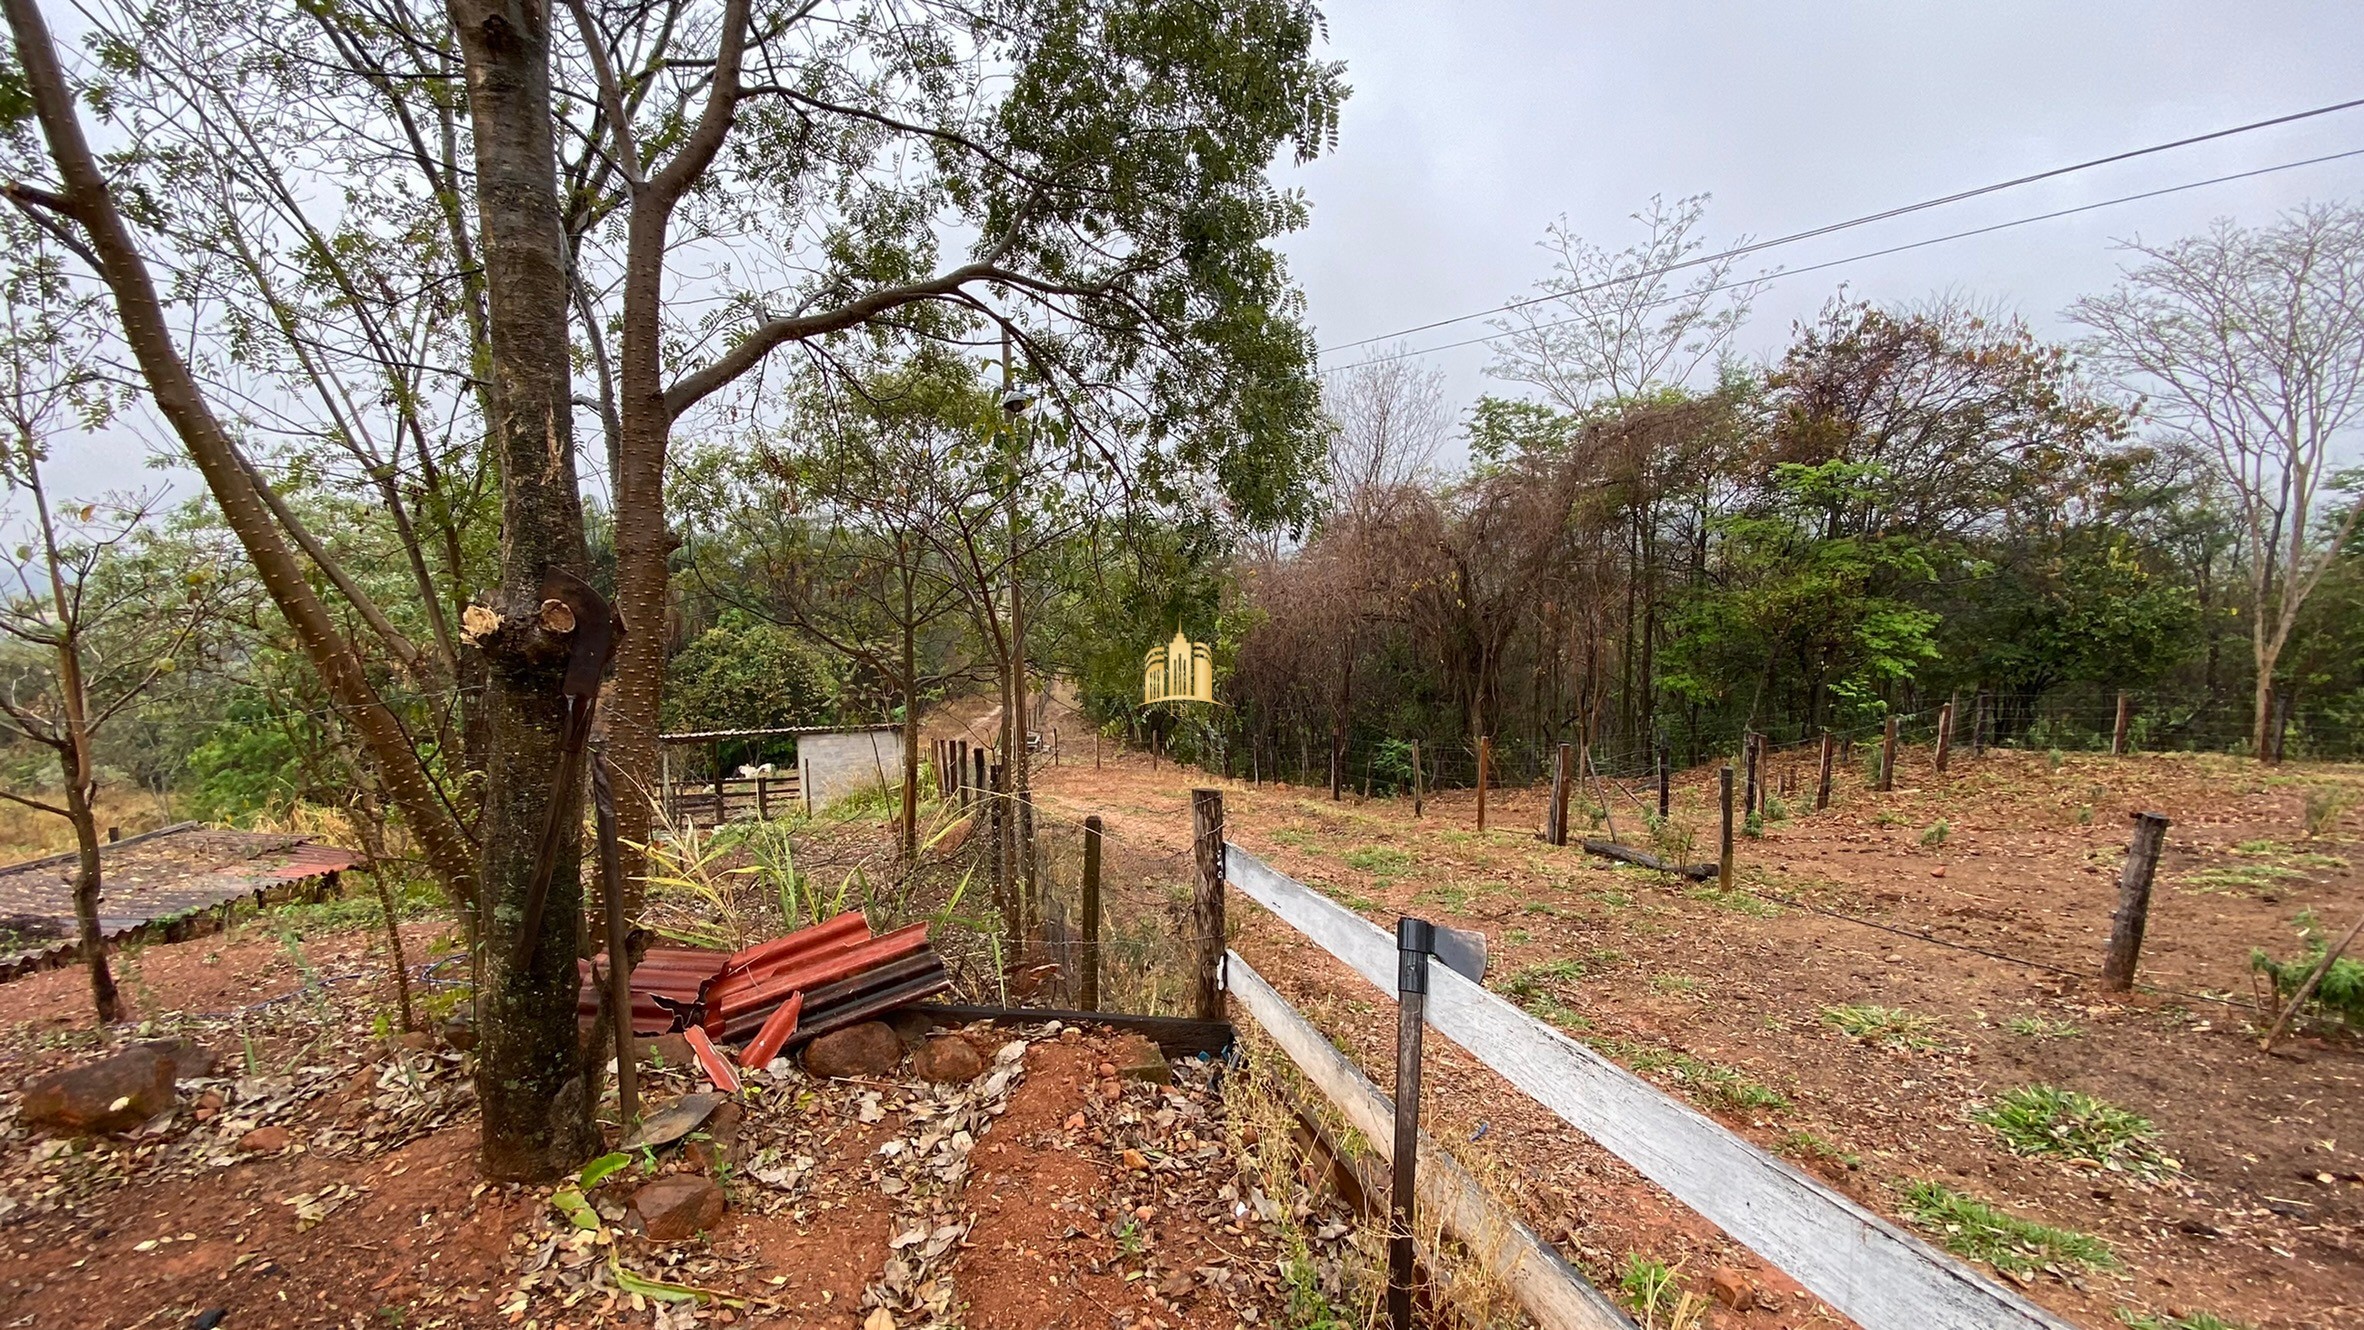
[460, 1033]
[189, 1060]
[671, 1049]
[677, 1206]
[948, 1060]
[871, 1048]
[265, 1140]
[113, 1094]
[717, 1143]
[1731, 1288]
[1138, 1058]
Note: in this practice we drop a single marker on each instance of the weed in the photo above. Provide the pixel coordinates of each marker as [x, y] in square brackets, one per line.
[1755, 826]
[2052, 760]
[1736, 900]
[1517, 937]
[2085, 815]
[1128, 1237]
[2047, 1120]
[1806, 1145]
[1648, 1284]
[1718, 1082]
[1351, 900]
[1887, 819]
[2324, 804]
[1673, 983]
[1541, 991]
[1381, 860]
[1536, 978]
[2339, 995]
[2135, 1320]
[1613, 898]
[2041, 1027]
[1936, 834]
[1970, 1227]
[1889, 1027]
[1293, 838]
[1775, 809]
[1542, 908]
[2239, 878]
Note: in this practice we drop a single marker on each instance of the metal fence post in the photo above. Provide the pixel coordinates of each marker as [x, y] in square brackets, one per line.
[1415, 941]
[1724, 857]
[1091, 913]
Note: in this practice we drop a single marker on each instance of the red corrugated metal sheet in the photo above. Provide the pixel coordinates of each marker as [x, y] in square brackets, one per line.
[837, 966]
[310, 859]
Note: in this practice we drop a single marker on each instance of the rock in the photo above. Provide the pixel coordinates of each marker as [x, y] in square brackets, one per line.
[1731, 1288]
[948, 1060]
[189, 1060]
[113, 1094]
[678, 1206]
[673, 1050]
[869, 1049]
[265, 1140]
[460, 1033]
[913, 1026]
[1138, 1058]
[416, 1041]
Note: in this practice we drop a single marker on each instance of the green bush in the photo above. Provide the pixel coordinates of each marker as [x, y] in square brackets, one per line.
[2338, 998]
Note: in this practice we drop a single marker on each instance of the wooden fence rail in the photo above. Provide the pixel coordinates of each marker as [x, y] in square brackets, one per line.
[1868, 1269]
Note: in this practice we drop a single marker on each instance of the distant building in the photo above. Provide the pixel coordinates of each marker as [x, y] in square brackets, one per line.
[836, 764]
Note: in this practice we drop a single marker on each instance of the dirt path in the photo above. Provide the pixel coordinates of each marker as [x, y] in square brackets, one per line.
[1729, 1000]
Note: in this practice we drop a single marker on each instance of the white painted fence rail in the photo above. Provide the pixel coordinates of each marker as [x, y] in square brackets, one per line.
[1546, 1286]
[1870, 1270]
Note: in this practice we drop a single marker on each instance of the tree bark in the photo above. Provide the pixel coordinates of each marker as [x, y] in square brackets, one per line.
[531, 1078]
[86, 885]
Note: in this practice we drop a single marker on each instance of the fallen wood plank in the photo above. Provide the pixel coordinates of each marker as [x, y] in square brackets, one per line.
[1871, 1271]
[1551, 1290]
[1179, 1036]
[1609, 849]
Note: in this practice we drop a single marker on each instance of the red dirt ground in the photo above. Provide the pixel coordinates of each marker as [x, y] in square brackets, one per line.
[2261, 1226]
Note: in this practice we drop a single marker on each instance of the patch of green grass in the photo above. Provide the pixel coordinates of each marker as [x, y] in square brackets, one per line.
[1971, 1228]
[1294, 838]
[1736, 900]
[1382, 860]
[1614, 898]
[1673, 983]
[1545, 908]
[1889, 1027]
[2069, 1124]
[1648, 1285]
[1936, 833]
[1887, 819]
[2041, 1027]
[357, 909]
[2338, 996]
[1517, 937]
[1535, 979]
[1452, 897]
[2135, 1320]
[1350, 899]
[2239, 877]
[1724, 1084]
[1806, 1145]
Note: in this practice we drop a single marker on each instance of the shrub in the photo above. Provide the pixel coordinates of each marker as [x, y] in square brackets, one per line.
[1936, 834]
[2339, 997]
[2324, 805]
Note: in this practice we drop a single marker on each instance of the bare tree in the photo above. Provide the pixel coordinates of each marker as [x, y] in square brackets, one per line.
[1388, 421]
[2250, 343]
[1616, 326]
[89, 630]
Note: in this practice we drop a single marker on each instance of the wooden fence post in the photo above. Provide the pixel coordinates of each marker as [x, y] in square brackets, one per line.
[1414, 940]
[1748, 757]
[1485, 759]
[1978, 725]
[1091, 913]
[2134, 900]
[1665, 781]
[1888, 756]
[1724, 856]
[978, 769]
[1556, 818]
[1337, 764]
[2125, 718]
[763, 798]
[1206, 903]
[1416, 790]
[1945, 735]
[1830, 753]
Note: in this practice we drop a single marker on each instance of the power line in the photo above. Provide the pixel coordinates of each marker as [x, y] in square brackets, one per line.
[1872, 254]
[1865, 220]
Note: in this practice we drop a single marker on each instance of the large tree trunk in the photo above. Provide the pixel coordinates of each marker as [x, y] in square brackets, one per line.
[86, 891]
[530, 1076]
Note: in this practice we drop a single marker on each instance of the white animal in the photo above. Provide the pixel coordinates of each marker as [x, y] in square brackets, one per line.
[750, 773]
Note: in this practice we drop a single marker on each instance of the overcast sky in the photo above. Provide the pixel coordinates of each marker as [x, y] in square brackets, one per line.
[1475, 124]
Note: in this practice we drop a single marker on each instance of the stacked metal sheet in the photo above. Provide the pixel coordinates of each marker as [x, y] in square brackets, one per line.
[846, 973]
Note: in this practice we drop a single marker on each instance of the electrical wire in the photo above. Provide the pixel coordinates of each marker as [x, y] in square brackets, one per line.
[1833, 263]
[1867, 219]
